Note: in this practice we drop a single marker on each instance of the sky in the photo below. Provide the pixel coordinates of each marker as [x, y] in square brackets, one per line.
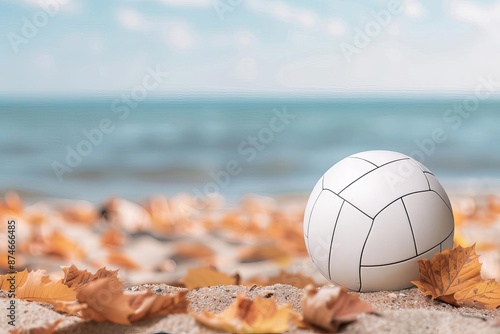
[66, 47]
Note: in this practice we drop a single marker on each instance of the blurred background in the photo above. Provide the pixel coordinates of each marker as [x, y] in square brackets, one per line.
[132, 98]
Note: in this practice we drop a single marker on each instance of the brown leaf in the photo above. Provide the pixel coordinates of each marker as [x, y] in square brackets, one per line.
[121, 260]
[45, 329]
[77, 279]
[449, 272]
[295, 279]
[193, 250]
[17, 279]
[57, 244]
[104, 302]
[485, 295]
[154, 305]
[81, 212]
[71, 308]
[12, 205]
[204, 277]
[112, 238]
[36, 286]
[330, 307]
[264, 252]
[246, 316]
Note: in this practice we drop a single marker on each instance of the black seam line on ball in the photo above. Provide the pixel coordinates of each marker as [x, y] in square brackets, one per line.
[411, 227]
[312, 209]
[410, 258]
[331, 242]
[354, 206]
[364, 160]
[412, 193]
[451, 210]
[428, 182]
[427, 172]
[361, 255]
[387, 163]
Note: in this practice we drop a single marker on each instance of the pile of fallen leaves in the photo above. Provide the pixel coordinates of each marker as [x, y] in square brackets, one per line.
[100, 297]
[180, 231]
[180, 241]
[454, 277]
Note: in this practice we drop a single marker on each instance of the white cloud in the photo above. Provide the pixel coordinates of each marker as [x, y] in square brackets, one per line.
[414, 9]
[473, 12]
[45, 61]
[180, 36]
[284, 12]
[191, 3]
[130, 19]
[336, 27]
[52, 6]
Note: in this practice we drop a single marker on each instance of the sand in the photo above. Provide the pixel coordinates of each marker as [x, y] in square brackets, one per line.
[405, 311]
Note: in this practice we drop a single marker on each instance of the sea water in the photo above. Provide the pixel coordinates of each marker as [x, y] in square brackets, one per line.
[234, 146]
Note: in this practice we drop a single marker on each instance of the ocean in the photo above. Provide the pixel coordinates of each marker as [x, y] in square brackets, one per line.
[92, 148]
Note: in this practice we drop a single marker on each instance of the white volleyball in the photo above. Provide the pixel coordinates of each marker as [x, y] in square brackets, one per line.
[372, 216]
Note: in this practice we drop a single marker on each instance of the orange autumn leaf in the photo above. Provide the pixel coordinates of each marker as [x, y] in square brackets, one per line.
[153, 305]
[15, 279]
[121, 260]
[331, 307]
[58, 244]
[264, 252]
[76, 279]
[45, 329]
[205, 277]
[12, 205]
[104, 302]
[485, 295]
[295, 279]
[246, 316]
[193, 250]
[112, 238]
[449, 272]
[80, 212]
[36, 286]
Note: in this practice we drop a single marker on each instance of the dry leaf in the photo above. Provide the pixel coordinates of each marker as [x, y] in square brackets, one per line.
[298, 280]
[80, 212]
[449, 272]
[193, 250]
[485, 295]
[246, 316]
[112, 238]
[77, 279]
[12, 205]
[153, 305]
[121, 260]
[264, 252]
[46, 329]
[57, 244]
[331, 307]
[36, 286]
[204, 277]
[104, 302]
[16, 279]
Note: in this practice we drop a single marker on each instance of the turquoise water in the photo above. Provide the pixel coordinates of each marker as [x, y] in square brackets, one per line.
[202, 145]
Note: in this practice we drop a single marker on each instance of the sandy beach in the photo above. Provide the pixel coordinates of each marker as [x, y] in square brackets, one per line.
[159, 253]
